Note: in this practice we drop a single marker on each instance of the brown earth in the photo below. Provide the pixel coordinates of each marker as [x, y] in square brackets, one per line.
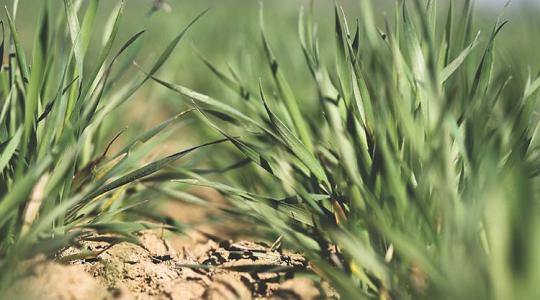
[170, 268]
[173, 267]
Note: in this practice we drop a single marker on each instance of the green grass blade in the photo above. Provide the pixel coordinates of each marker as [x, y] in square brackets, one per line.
[10, 148]
[285, 91]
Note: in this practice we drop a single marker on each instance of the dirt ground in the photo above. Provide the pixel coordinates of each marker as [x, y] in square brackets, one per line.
[174, 267]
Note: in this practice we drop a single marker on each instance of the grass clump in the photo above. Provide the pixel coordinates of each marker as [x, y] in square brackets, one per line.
[59, 179]
[415, 176]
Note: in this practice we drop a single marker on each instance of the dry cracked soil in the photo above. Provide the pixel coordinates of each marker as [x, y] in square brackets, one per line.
[172, 267]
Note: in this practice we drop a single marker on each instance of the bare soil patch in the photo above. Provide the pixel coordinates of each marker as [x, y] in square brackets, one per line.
[173, 267]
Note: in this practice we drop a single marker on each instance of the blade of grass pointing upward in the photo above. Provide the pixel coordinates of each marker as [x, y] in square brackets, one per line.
[75, 35]
[294, 144]
[21, 57]
[32, 100]
[104, 52]
[88, 24]
[285, 91]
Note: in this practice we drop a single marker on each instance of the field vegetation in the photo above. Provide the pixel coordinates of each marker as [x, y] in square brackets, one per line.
[398, 152]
